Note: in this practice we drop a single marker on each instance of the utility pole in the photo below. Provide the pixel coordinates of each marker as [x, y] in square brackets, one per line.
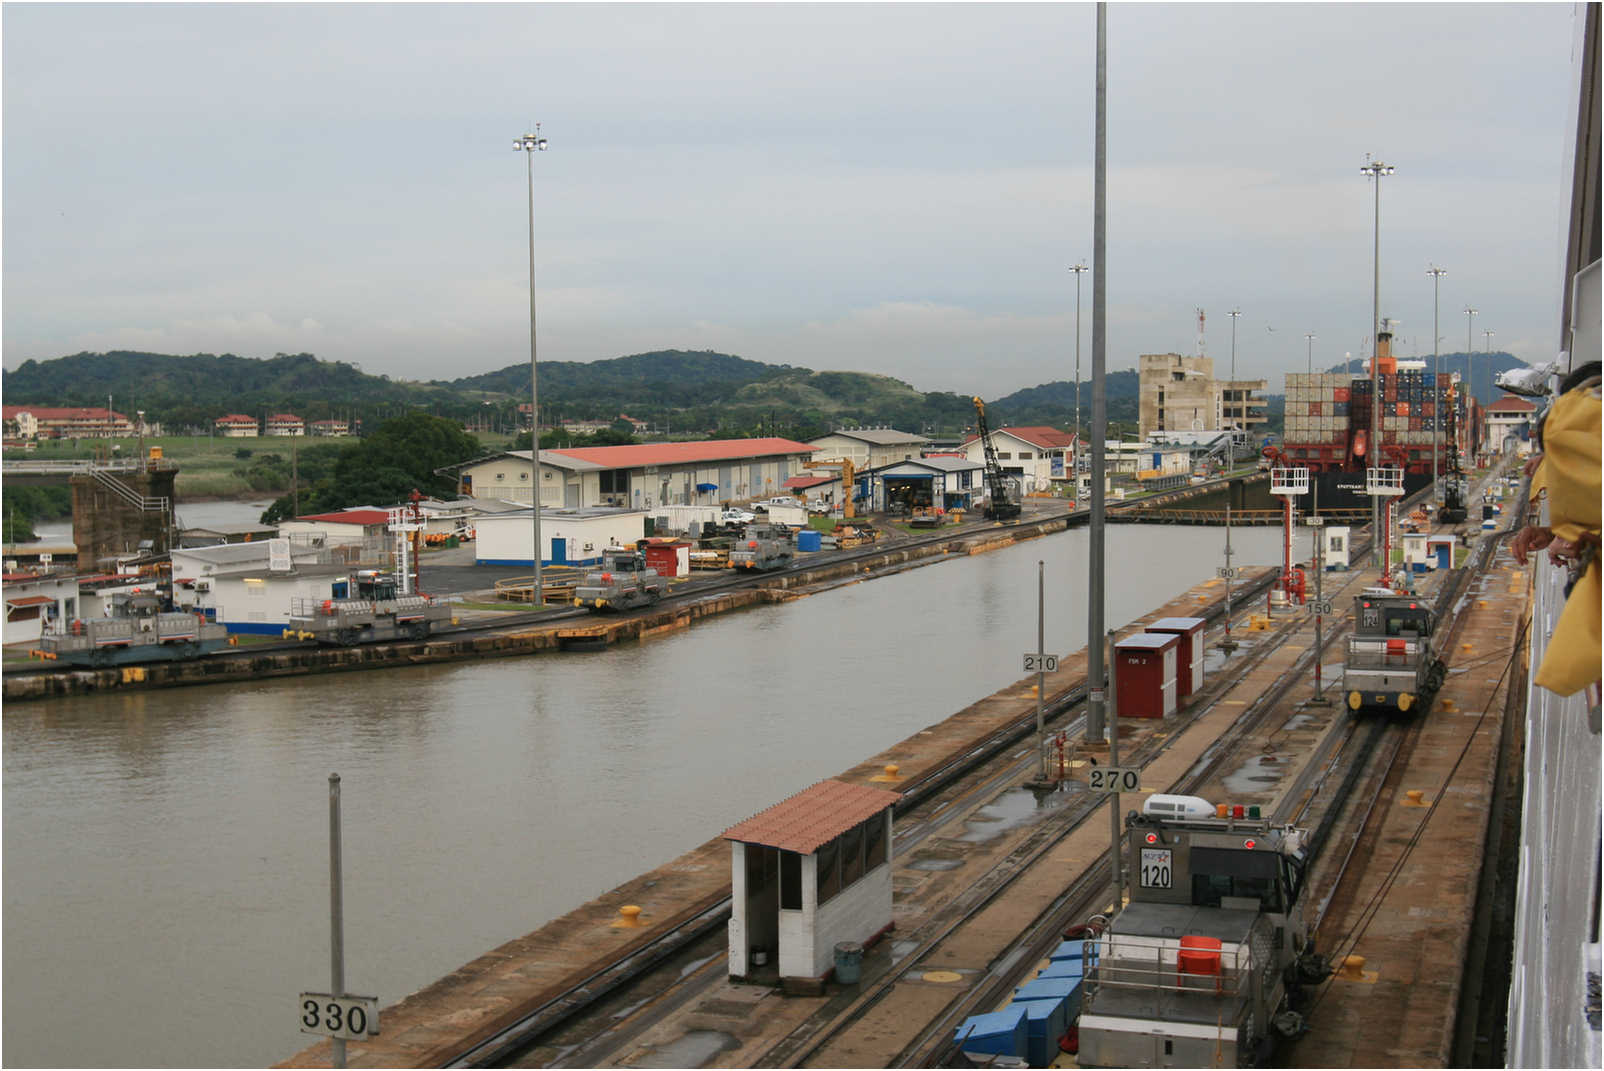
[1075, 468]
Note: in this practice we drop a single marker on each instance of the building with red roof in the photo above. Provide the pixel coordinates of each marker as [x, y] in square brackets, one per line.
[808, 873]
[285, 425]
[237, 426]
[1039, 456]
[64, 422]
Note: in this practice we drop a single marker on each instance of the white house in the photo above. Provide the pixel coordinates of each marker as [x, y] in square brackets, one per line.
[364, 527]
[236, 426]
[567, 536]
[1509, 418]
[868, 448]
[1039, 457]
[285, 425]
[248, 587]
[35, 601]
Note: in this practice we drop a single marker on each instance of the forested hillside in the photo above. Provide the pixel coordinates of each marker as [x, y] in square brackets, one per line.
[677, 392]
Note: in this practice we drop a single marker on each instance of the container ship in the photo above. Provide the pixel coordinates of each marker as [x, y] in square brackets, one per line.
[1328, 428]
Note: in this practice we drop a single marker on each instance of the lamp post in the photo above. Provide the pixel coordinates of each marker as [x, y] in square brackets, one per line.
[1375, 169]
[529, 144]
[1436, 274]
[1075, 474]
[1470, 348]
[1230, 464]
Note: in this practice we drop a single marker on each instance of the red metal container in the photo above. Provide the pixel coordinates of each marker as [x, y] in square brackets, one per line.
[1144, 675]
[670, 557]
[1188, 653]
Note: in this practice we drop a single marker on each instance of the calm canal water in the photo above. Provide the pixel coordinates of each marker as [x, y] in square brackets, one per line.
[166, 855]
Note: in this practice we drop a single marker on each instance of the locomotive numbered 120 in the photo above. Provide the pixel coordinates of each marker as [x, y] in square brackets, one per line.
[1200, 968]
[1392, 663]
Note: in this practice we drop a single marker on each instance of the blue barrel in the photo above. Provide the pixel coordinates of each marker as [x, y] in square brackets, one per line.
[848, 962]
[809, 539]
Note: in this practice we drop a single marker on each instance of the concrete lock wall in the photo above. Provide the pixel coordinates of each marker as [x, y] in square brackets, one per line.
[105, 524]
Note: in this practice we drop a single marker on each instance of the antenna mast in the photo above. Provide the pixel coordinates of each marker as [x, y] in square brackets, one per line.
[1200, 350]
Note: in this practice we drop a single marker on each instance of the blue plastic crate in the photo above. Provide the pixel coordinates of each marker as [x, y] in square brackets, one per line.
[1063, 968]
[1002, 1033]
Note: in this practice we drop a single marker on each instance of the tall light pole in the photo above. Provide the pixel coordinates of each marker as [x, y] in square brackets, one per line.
[1436, 274]
[1470, 349]
[1096, 724]
[1075, 474]
[1310, 339]
[1375, 169]
[529, 144]
[1230, 454]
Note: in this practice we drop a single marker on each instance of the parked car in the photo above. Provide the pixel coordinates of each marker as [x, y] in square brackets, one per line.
[817, 506]
[736, 516]
[780, 500]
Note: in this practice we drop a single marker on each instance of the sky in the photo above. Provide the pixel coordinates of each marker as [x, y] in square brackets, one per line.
[889, 188]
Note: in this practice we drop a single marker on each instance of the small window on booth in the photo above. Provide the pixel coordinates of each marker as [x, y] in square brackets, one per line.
[851, 855]
[790, 881]
[829, 862]
[874, 842]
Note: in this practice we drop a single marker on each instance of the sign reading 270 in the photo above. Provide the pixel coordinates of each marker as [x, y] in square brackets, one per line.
[1114, 779]
[346, 1017]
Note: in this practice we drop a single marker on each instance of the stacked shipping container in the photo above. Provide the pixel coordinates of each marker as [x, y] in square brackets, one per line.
[1325, 409]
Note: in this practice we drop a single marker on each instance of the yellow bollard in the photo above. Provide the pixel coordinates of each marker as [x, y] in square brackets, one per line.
[628, 918]
[1414, 798]
[1353, 970]
[891, 772]
[1448, 706]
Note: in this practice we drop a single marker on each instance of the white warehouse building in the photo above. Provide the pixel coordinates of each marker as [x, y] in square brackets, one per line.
[567, 536]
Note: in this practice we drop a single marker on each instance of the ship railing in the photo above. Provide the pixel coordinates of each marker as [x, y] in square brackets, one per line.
[1127, 965]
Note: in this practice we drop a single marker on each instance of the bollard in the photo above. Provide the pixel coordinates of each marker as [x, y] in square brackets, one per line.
[889, 773]
[1353, 968]
[628, 918]
[1415, 798]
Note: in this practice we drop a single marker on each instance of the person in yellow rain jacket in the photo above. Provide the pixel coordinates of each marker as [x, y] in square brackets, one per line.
[1569, 471]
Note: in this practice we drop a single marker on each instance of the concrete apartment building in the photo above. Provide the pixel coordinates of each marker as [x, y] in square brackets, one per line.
[1178, 393]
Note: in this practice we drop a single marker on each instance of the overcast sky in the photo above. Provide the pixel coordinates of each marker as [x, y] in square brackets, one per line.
[892, 188]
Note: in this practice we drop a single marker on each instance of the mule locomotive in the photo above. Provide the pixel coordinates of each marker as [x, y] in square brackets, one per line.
[1201, 967]
[136, 630]
[764, 547]
[1392, 663]
[623, 582]
[366, 608]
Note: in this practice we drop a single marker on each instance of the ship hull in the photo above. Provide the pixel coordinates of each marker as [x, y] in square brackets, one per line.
[1345, 491]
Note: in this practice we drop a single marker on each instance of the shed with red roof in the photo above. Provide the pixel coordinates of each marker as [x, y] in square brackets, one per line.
[807, 874]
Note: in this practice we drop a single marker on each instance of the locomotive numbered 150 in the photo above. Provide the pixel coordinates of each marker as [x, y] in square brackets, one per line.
[1393, 664]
